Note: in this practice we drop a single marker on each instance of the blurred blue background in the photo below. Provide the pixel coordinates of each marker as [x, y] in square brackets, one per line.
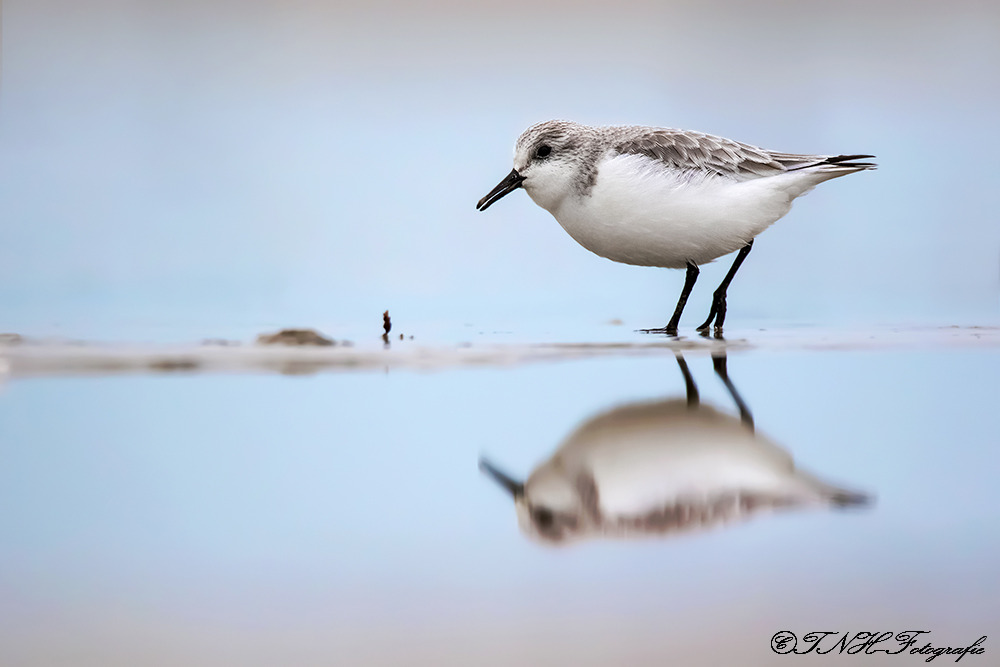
[176, 169]
[171, 171]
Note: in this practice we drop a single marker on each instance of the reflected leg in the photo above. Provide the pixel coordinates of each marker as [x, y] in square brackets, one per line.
[718, 312]
[689, 279]
[719, 363]
[692, 389]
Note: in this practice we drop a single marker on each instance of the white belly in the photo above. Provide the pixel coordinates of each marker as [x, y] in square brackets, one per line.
[639, 213]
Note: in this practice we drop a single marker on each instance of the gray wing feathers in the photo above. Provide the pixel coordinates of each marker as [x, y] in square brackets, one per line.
[694, 151]
[702, 152]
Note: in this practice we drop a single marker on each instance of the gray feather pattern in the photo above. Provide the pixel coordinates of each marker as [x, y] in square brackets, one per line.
[689, 514]
[694, 151]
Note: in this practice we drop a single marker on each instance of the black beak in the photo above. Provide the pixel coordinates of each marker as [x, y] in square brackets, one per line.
[507, 185]
[516, 489]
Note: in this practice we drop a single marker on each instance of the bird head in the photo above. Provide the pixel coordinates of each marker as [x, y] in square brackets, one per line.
[548, 161]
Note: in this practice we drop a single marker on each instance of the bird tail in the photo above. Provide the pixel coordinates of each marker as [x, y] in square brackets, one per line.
[836, 496]
[848, 164]
[819, 168]
[849, 161]
[845, 498]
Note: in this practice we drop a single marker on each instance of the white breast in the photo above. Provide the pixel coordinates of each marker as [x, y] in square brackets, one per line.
[640, 212]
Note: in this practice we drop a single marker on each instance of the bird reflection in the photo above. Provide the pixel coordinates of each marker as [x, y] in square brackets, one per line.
[662, 468]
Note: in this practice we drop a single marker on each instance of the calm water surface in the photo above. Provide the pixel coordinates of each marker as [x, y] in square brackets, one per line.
[340, 518]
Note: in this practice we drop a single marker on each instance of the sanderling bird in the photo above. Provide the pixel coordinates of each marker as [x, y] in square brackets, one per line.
[659, 469]
[654, 196]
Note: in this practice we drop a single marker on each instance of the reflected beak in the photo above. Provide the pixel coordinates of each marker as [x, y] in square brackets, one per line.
[507, 185]
[515, 489]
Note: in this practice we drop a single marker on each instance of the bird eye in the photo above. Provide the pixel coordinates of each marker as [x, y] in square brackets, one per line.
[543, 151]
[544, 517]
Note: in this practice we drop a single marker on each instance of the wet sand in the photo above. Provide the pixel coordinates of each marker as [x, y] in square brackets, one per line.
[25, 357]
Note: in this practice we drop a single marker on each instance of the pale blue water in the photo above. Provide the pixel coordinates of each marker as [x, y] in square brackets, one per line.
[341, 518]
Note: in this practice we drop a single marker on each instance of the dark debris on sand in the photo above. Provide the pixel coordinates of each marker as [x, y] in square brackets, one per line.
[295, 337]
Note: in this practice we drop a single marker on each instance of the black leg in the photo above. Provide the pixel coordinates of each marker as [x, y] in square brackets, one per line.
[692, 389]
[689, 278]
[718, 312]
[719, 363]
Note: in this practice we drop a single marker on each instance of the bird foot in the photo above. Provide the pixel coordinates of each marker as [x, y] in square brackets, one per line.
[669, 331]
[716, 333]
